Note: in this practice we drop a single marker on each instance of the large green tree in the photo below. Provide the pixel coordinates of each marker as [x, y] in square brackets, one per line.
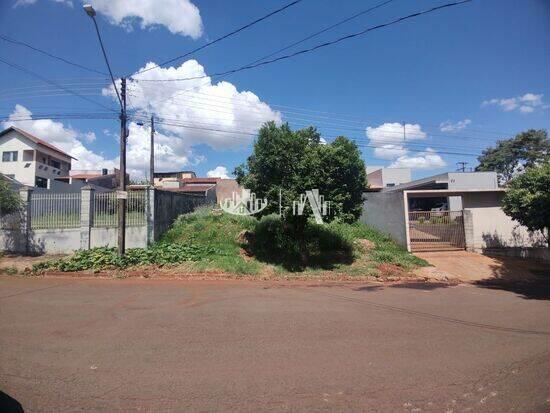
[290, 162]
[511, 156]
[9, 199]
[527, 199]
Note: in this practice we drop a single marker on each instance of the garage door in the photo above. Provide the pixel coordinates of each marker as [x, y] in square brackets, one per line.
[436, 230]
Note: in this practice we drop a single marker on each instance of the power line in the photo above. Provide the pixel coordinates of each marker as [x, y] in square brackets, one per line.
[21, 43]
[30, 72]
[326, 29]
[319, 46]
[246, 26]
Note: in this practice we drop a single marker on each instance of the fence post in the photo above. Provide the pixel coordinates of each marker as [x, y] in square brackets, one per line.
[150, 215]
[25, 194]
[86, 216]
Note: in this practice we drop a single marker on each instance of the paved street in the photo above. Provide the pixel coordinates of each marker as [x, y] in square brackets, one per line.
[189, 346]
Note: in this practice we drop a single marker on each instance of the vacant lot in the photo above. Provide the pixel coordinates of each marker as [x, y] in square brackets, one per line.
[151, 346]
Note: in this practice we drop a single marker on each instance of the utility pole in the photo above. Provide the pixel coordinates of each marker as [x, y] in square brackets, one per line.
[122, 194]
[152, 160]
[461, 166]
[404, 132]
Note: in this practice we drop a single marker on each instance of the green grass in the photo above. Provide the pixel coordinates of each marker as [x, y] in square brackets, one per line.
[210, 242]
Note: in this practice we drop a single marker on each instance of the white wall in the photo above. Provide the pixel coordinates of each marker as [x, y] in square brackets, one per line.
[487, 226]
[10, 142]
[385, 211]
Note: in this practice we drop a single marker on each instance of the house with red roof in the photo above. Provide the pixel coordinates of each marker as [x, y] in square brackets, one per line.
[31, 160]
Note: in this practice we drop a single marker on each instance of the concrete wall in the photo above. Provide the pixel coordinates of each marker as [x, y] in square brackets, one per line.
[136, 237]
[385, 211]
[161, 209]
[487, 227]
[169, 205]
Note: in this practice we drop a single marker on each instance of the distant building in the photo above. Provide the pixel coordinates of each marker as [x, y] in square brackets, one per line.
[31, 160]
[161, 179]
[217, 189]
[104, 178]
[379, 177]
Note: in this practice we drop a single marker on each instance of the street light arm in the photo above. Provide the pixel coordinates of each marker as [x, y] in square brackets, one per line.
[106, 60]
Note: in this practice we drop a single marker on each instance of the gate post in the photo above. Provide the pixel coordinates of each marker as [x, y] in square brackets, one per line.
[406, 211]
[468, 223]
[86, 216]
[150, 215]
[25, 194]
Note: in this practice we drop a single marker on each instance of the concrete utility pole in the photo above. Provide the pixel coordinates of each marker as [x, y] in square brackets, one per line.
[152, 160]
[122, 195]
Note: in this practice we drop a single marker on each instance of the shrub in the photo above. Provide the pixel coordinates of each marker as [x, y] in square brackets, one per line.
[104, 257]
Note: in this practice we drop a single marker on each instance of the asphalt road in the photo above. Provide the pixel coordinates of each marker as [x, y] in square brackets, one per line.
[69, 345]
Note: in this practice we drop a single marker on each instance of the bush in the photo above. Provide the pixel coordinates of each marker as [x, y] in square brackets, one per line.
[104, 258]
[275, 243]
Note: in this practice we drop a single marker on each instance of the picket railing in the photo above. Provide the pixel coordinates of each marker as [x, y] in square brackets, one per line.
[106, 209]
[49, 210]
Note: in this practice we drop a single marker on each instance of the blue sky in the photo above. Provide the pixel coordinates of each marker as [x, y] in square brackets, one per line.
[459, 78]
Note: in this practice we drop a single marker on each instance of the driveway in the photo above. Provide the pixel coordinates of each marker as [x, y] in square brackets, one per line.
[471, 267]
[147, 345]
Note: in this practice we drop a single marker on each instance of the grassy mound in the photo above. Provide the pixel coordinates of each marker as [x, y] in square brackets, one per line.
[244, 245]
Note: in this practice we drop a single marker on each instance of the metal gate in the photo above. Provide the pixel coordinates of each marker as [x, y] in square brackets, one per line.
[436, 230]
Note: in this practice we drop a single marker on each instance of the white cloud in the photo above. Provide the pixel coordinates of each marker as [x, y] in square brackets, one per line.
[526, 103]
[448, 126]
[206, 109]
[395, 133]
[389, 141]
[218, 172]
[389, 151]
[18, 3]
[170, 151]
[178, 16]
[424, 160]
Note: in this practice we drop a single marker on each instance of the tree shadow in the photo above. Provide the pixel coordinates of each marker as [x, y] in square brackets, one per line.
[415, 285]
[527, 278]
[9, 405]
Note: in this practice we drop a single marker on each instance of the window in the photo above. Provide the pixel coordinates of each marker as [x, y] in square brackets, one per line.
[9, 156]
[55, 164]
[41, 182]
[390, 185]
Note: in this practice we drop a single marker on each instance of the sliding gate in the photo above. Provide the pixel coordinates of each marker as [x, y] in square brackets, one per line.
[436, 230]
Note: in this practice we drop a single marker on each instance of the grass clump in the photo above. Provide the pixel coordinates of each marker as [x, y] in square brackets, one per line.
[9, 270]
[107, 258]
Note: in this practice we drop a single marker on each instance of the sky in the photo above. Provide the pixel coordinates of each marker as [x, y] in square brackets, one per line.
[425, 93]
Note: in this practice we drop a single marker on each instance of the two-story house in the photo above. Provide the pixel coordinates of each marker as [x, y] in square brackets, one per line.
[30, 160]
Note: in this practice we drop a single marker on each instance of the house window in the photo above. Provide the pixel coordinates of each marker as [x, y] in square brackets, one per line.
[10, 156]
[55, 164]
[41, 182]
[390, 185]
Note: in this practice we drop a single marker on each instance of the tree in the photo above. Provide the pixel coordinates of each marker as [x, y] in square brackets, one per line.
[290, 162]
[9, 199]
[527, 199]
[512, 156]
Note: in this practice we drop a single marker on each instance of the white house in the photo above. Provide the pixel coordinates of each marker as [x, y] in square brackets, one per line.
[32, 161]
[379, 177]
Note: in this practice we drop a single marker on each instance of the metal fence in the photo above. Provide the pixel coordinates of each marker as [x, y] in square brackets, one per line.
[436, 230]
[106, 209]
[49, 210]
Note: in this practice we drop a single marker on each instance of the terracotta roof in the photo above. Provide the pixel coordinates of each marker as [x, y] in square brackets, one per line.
[84, 176]
[200, 180]
[36, 140]
[190, 188]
